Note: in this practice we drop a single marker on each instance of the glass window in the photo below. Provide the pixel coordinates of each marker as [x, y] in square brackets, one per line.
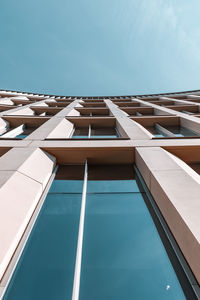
[103, 133]
[181, 131]
[155, 132]
[46, 267]
[80, 133]
[123, 256]
[25, 133]
[178, 131]
[21, 136]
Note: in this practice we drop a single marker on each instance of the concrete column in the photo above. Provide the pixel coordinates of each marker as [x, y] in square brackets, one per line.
[176, 191]
[57, 127]
[24, 173]
[126, 126]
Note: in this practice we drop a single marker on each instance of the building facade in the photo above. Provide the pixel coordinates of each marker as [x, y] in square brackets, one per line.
[99, 197]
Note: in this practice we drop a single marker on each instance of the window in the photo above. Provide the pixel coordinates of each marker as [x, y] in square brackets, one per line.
[122, 255]
[155, 131]
[80, 133]
[181, 131]
[103, 133]
[93, 132]
[171, 131]
[20, 132]
[46, 267]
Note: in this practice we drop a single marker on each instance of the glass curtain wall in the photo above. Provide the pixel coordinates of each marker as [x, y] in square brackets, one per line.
[46, 267]
[123, 256]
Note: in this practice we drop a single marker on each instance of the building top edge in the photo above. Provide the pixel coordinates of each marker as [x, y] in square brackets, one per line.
[105, 96]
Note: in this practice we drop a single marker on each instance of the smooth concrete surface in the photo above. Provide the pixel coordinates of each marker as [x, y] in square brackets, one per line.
[62, 130]
[14, 132]
[176, 193]
[24, 173]
[44, 130]
[74, 112]
[22, 111]
[131, 128]
[50, 128]
[186, 167]
[6, 101]
[33, 163]
[3, 125]
[19, 98]
[18, 198]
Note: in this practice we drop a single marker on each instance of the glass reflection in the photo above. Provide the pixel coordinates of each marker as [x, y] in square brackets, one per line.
[123, 256]
[46, 267]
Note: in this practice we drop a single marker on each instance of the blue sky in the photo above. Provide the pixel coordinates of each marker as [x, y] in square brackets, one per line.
[100, 47]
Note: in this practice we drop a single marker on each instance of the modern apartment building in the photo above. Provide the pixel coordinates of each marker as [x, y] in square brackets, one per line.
[99, 197]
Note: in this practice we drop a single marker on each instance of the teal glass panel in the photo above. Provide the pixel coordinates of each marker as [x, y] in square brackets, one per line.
[158, 135]
[123, 255]
[21, 136]
[179, 135]
[66, 186]
[112, 186]
[46, 267]
[80, 137]
[104, 137]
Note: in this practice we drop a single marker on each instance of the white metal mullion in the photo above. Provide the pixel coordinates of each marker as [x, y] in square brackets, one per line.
[77, 271]
[89, 132]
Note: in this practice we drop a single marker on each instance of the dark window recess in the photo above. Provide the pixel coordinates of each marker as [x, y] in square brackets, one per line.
[104, 133]
[80, 133]
[90, 132]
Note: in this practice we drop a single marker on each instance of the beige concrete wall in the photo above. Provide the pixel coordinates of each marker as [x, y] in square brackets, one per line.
[176, 193]
[56, 127]
[126, 126]
[24, 173]
[62, 130]
[3, 125]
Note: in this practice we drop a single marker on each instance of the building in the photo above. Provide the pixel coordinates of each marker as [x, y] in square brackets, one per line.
[99, 197]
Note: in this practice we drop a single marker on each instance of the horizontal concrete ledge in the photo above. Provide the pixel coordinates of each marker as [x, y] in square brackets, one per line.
[188, 142]
[176, 193]
[167, 143]
[24, 173]
[10, 143]
[95, 155]
[83, 144]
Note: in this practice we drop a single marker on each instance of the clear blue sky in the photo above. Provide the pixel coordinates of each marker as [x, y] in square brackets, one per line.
[100, 47]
